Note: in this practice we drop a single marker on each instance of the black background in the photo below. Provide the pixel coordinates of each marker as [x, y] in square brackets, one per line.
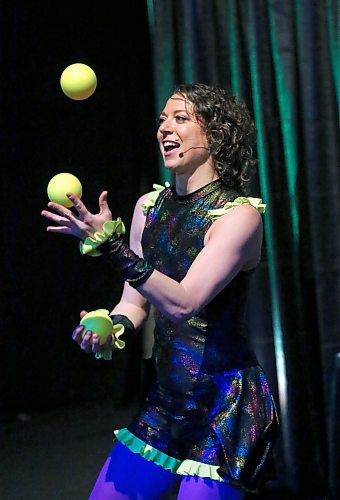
[108, 141]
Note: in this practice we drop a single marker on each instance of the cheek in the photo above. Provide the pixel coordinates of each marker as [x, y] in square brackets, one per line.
[202, 139]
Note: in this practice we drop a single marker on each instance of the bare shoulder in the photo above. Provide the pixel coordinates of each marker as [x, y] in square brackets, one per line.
[243, 218]
[138, 211]
[138, 222]
[240, 231]
[143, 198]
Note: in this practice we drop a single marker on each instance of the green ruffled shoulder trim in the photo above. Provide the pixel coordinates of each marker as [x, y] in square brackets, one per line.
[241, 200]
[110, 227]
[152, 197]
[181, 467]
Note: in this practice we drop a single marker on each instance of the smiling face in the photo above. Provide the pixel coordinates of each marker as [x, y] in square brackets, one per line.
[181, 136]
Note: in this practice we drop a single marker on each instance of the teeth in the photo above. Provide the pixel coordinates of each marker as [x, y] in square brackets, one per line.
[169, 145]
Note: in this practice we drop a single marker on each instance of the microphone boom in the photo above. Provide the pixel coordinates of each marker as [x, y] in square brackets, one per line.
[194, 147]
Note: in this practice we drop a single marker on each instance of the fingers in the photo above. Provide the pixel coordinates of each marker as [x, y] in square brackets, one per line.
[83, 224]
[91, 343]
[65, 219]
[108, 343]
[83, 339]
[77, 203]
[67, 222]
[58, 219]
[103, 206]
[77, 334]
[103, 199]
[86, 343]
[64, 223]
[95, 344]
[64, 212]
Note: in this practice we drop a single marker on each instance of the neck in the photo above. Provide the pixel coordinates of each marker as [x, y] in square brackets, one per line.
[188, 183]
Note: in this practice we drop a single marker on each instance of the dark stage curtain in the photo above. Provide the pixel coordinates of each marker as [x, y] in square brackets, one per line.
[282, 58]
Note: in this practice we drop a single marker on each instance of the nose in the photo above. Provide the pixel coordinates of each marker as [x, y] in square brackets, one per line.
[164, 127]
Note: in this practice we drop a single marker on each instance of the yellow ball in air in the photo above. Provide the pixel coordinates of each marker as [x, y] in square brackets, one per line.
[78, 81]
[61, 184]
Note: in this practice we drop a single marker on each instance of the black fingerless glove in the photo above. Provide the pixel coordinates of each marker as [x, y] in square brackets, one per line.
[129, 328]
[134, 269]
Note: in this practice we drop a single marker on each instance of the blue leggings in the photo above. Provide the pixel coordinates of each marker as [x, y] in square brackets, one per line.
[128, 476]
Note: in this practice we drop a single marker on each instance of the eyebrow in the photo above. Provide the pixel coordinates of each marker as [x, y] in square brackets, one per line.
[176, 111]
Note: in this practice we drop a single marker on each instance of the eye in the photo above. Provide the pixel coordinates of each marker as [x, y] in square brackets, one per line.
[161, 120]
[181, 119]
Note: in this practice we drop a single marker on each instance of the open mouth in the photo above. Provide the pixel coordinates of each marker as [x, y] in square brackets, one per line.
[170, 145]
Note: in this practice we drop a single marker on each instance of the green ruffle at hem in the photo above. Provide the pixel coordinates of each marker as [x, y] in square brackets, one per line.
[181, 467]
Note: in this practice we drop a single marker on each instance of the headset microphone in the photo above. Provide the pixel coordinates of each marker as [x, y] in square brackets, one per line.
[196, 147]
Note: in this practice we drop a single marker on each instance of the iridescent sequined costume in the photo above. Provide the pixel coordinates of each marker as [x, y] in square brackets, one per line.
[210, 412]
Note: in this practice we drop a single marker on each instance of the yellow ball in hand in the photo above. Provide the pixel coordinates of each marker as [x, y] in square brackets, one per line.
[61, 184]
[98, 322]
[78, 81]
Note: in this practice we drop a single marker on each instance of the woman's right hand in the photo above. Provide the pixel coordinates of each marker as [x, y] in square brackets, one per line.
[90, 341]
[83, 224]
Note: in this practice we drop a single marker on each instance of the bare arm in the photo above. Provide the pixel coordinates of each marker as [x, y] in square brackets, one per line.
[234, 244]
[132, 304]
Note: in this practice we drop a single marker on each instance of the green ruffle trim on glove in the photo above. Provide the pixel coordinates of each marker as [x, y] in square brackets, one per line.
[117, 331]
[152, 197]
[181, 467]
[110, 227]
[241, 200]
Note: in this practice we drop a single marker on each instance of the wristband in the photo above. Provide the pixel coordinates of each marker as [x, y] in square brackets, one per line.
[120, 319]
[133, 268]
[90, 245]
[121, 325]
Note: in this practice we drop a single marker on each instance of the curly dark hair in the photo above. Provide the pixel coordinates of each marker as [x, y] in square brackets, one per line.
[229, 128]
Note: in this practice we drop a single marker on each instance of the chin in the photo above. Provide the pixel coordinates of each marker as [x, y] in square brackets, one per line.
[171, 164]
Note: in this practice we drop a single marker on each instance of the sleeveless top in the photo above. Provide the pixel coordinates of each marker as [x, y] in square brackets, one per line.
[209, 412]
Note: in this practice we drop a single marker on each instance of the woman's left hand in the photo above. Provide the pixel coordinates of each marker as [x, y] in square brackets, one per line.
[82, 225]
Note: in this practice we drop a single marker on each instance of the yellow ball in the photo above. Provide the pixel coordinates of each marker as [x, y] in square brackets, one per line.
[61, 184]
[99, 322]
[78, 81]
